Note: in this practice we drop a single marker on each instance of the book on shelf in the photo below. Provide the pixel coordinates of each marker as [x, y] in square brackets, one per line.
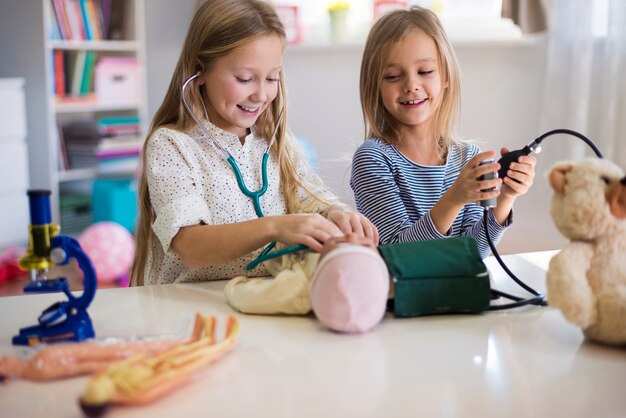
[75, 17]
[74, 72]
[63, 160]
[105, 17]
[106, 143]
[53, 25]
[93, 19]
[89, 27]
[78, 71]
[119, 125]
[86, 84]
[59, 73]
[118, 19]
[89, 19]
[60, 15]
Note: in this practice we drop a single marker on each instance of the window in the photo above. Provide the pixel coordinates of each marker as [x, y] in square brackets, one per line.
[463, 19]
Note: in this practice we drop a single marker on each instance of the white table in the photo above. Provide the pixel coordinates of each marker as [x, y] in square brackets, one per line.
[524, 363]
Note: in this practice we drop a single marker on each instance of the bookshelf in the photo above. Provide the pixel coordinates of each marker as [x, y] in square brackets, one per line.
[85, 69]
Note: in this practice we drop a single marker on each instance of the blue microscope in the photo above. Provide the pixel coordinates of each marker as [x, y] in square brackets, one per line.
[62, 321]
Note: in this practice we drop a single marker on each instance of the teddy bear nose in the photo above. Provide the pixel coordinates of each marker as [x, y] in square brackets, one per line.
[623, 181]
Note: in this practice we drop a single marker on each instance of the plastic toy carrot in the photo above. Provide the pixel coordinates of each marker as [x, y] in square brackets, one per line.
[142, 378]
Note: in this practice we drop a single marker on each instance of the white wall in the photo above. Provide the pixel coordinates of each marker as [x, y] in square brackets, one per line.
[324, 107]
[166, 27]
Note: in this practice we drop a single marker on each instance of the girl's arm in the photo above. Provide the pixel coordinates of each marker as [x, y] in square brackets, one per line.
[206, 245]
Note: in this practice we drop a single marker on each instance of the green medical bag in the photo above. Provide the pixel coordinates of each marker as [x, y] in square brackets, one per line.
[437, 277]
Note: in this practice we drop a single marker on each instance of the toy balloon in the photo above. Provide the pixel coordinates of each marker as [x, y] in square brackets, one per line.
[111, 249]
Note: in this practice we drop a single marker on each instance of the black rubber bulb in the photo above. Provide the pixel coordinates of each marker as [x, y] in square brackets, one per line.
[510, 157]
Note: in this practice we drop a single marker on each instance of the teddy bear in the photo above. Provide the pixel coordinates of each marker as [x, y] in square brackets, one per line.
[586, 281]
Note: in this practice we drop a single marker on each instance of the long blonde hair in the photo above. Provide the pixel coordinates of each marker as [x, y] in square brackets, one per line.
[218, 28]
[388, 30]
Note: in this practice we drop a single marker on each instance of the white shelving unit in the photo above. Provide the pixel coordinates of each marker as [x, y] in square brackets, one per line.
[28, 52]
[69, 181]
[13, 163]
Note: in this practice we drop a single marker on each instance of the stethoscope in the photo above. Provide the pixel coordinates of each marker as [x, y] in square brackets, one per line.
[255, 196]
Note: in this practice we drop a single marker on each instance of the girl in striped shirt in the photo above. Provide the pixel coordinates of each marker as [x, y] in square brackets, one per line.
[412, 178]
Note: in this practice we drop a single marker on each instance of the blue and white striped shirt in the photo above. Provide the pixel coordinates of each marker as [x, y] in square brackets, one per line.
[397, 195]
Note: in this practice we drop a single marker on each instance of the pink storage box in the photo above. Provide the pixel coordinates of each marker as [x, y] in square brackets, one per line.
[117, 81]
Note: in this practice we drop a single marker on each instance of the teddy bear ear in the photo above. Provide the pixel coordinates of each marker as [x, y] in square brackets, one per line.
[617, 199]
[557, 176]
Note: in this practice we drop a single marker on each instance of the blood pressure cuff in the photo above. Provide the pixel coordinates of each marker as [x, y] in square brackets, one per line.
[437, 277]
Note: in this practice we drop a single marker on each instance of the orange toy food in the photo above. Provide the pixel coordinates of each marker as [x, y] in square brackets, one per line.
[143, 378]
[67, 360]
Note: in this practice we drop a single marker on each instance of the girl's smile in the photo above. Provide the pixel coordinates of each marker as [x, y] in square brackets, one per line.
[413, 103]
[249, 111]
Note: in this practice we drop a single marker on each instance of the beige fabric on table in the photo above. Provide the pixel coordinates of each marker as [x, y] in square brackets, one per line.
[285, 292]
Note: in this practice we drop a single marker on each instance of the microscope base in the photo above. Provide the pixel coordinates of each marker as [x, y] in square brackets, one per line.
[76, 327]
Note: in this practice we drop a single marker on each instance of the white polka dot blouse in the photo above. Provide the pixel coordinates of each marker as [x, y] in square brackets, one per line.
[190, 182]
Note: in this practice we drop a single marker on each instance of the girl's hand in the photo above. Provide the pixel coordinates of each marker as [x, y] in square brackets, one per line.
[520, 176]
[467, 187]
[350, 221]
[353, 239]
[310, 229]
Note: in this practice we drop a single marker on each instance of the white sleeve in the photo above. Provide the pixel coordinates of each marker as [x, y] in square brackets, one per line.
[172, 172]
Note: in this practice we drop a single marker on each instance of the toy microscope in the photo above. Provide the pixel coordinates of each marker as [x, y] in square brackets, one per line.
[61, 321]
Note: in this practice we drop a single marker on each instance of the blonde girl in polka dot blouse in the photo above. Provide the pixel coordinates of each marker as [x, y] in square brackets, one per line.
[195, 223]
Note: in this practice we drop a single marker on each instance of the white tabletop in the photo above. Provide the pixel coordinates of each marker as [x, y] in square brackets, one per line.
[524, 363]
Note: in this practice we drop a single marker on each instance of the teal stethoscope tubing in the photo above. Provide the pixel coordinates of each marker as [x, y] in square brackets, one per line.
[255, 196]
[256, 201]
